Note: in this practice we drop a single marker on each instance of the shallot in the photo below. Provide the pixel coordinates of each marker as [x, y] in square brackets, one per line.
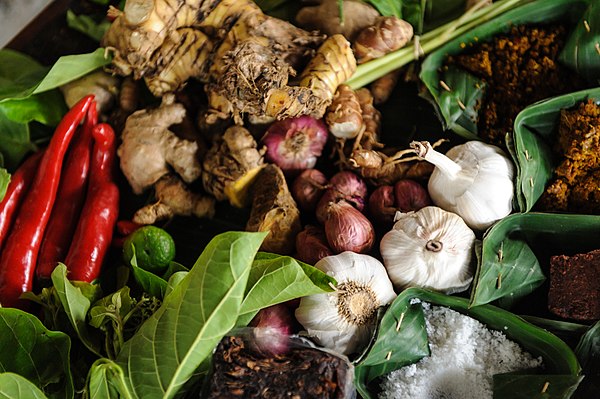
[295, 144]
[347, 229]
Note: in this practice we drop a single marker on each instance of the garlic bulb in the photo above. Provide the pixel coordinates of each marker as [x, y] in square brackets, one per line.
[429, 248]
[473, 180]
[344, 320]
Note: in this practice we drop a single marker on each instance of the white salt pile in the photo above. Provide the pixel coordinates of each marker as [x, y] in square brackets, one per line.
[464, 357]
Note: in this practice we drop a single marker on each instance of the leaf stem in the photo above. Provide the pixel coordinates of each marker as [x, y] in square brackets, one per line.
[430, 41]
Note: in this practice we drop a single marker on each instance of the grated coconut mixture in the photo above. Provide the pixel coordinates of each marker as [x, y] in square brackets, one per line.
[465, 355]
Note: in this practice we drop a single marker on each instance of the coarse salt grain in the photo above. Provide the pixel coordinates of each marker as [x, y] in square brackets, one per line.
[465, 355]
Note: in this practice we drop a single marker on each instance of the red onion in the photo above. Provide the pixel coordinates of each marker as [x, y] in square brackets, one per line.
[308, 188]
[311, 245]
[347, 229]
[410, 195]
[272, 327]
[294, 144]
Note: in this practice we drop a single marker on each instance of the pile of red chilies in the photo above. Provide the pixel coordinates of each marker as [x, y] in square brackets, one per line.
[61, 206]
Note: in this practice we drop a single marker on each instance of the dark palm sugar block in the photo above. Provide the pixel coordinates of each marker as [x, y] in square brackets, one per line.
[302, 373]
[575, 286]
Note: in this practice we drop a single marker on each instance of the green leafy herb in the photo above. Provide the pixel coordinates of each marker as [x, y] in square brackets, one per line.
[402, 339]
[87, 25]
[509, 264]
[14, 386]
[35, 353]
[535, 131]
[28, 93]
[166, 351]
[274, 279]
[106, 380]
[76, 302]
[527, 12]
[4, 182]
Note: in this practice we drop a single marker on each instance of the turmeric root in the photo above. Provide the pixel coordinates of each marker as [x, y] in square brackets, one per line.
[274, 210]
[167, 42]
[149, 149]
[174, 198]
[231, 166]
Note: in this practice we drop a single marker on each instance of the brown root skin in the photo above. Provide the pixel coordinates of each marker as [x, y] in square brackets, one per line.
[149, 150]
[333, 64]
[174, 198]
[103, 86]
[344, 115]
[384, 36]
[232, 157]
[274, 210]
[369, 138]
[167, 42]
[325, 17]
[382, 88]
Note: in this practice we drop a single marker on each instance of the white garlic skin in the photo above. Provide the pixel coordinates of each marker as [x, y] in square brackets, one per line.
[408, 260]
[319, 314]
[483, 192]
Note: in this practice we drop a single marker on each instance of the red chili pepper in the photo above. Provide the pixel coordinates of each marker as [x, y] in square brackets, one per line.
[69, 199]
[124, 228]
[99, 215]
[20, 182]
[19, 257]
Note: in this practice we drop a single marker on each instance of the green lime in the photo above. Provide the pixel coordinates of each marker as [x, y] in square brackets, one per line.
[154, 248]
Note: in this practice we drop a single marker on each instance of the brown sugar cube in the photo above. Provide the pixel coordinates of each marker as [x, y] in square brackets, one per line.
[575, 286]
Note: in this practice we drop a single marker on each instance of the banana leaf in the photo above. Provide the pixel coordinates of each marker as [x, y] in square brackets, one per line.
[535, 131]
[515, 253]
[458, 115]
[402, 340]
[588, 353]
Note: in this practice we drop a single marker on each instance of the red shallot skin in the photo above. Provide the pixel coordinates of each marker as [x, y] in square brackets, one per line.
[347, 229]
[272, 328]
[311, 245]
[346, 186]
[382, 204]
[308, 188]
[411, 195]
[295, 144]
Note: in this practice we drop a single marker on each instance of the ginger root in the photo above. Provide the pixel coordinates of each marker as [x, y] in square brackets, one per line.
[231, 165]
[231, 45]
[274, 210]
[174, 198]
[149, 149]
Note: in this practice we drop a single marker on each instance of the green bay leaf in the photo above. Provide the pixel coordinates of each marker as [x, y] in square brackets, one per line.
[14, 386]
[169, 347]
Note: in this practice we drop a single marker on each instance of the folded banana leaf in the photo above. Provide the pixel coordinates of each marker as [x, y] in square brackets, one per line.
[515, 253]
[535, 131]
[588, 353]
[458, 108]
[402, 340]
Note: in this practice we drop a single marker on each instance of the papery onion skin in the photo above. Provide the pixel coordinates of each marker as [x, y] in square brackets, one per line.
[295, 144]
[382, 205]
[272, 327]
[346, 186]
[311, 245]
[307, 189]
[348, 230]
[410, 195]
